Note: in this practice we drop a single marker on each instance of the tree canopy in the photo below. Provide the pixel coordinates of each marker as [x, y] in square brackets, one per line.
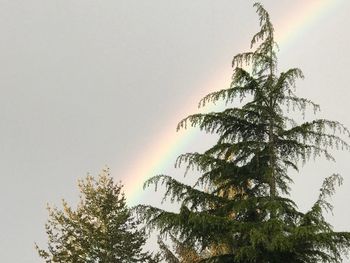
[100, 229]
[240, 203]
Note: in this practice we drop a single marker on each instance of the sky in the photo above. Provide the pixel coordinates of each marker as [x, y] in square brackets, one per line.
[87, 84]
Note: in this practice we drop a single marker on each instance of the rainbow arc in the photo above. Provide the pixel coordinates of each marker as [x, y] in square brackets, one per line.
[168, 142]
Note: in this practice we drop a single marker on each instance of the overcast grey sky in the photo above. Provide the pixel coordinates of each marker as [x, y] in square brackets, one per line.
[87, 83]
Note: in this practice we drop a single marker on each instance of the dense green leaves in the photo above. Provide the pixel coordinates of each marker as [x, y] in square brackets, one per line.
[239, 209]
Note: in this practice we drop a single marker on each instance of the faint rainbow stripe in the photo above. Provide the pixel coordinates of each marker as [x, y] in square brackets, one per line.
[168, 142]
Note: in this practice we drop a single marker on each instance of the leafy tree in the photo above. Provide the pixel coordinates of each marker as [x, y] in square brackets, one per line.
[240, 202]
[100, 229]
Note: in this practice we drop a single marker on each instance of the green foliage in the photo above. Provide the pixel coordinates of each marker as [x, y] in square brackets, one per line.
[180, 253]
[100, 229]
[240, 201]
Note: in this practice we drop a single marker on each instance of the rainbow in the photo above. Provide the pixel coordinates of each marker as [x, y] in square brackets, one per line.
[168, 144]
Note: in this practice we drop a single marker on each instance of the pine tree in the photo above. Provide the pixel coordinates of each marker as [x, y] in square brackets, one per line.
[240, 201]
[100, 229]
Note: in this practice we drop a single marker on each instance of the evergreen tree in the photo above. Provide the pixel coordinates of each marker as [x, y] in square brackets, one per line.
[240, 202]
[100, 229]
[179, 252]
[187, 253]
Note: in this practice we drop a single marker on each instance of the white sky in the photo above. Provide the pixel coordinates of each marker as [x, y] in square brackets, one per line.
[87, 83]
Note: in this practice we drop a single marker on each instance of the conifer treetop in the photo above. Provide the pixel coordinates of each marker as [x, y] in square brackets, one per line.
[240, 200]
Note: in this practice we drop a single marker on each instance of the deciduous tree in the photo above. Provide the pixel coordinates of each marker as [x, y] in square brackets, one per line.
[100, 229]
